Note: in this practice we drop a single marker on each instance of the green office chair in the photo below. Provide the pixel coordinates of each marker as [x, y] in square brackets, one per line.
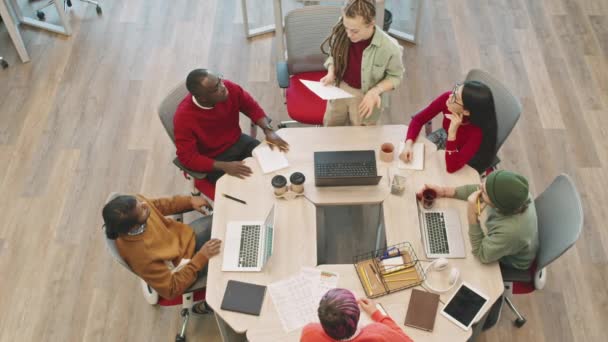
[560, 222]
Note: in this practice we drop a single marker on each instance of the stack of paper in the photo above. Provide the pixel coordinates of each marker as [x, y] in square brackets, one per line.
[417, 161]
[270, 160]
[297, 298]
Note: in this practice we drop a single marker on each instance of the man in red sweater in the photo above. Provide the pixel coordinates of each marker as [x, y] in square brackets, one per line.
[206, 126]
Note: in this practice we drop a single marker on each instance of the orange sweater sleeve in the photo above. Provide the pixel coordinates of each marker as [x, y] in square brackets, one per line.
[377, 316]
[172, 205]
[170, 285]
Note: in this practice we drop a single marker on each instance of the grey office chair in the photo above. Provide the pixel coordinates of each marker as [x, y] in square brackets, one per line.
[304, 61]
[166, 112]
[507, 106]
[194, 293]
[560, 222]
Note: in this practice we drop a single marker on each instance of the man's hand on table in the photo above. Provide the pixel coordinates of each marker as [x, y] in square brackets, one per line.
[211, 248]
[273, 139]
[234, 168]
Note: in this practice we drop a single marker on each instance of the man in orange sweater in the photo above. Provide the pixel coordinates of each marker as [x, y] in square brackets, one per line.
[339, 315]
[166, 254]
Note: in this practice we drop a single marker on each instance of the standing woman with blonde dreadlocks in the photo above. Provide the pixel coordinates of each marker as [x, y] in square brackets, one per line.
[364, 61]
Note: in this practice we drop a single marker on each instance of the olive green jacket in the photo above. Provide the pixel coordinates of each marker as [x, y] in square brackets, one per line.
[382, 59]
[511, 239]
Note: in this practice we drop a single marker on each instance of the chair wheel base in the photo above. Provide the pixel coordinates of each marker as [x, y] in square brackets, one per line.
[3, 63]
[40, 15]
[98, 9]
[520, 322]
[179, 338]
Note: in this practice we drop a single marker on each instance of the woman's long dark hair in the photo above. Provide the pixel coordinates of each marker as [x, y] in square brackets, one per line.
[478, 100]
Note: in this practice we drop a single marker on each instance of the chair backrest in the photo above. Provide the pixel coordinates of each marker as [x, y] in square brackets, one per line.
[111, 244]
[166, 110]
[560, 219]
[508, 108]
[305, 30]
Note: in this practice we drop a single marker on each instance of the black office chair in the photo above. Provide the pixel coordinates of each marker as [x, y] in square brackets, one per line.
[66, 3]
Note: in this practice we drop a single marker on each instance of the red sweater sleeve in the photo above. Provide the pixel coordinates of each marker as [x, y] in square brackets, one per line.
[426, 115]
[377, 316]
[249, 106]
[456, 158]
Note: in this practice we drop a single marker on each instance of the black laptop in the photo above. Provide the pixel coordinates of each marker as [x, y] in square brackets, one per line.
[344, 168]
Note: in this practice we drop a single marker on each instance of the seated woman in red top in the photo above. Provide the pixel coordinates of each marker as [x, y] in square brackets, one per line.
[469, 127]
[339, 314]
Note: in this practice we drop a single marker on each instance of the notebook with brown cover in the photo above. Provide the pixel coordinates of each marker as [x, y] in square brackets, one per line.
[422, 310]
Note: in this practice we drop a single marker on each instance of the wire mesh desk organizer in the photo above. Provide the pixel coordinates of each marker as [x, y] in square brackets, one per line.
[388, 270]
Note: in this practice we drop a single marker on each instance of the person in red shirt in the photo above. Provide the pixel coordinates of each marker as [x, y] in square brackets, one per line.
[208, 137]
[469, 127]
[339, 315]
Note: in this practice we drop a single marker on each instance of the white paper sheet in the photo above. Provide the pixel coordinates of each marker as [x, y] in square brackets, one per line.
[326, 92]
[296, 299]
[270, 160]
[417, 162]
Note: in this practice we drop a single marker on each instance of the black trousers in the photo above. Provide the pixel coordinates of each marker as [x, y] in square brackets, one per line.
[240, 150]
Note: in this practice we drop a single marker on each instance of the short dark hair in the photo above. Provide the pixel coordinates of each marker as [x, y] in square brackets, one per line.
[339, 313]
[118, 216]
[194, 81]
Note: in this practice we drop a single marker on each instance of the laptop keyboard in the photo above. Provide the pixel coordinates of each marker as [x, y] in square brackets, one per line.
[353, 169]
[436, 233]
[250, 243]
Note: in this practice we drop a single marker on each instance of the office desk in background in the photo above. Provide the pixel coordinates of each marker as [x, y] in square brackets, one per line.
[296, 232]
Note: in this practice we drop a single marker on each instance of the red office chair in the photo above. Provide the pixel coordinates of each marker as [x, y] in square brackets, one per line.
[305, 61]
[166, 112]
[195, 293]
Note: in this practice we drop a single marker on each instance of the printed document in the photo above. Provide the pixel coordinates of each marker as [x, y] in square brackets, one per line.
[296, 299]
[326, 92]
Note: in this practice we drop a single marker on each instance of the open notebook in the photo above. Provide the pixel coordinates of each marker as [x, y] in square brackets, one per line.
[270, 160]
[417, 162]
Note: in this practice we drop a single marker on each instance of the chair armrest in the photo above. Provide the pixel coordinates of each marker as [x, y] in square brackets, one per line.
[282, 75]
[195, 174]
[199, 284]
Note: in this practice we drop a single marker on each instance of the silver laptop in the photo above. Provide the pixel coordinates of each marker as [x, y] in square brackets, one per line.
[248, 244]
[441, 232]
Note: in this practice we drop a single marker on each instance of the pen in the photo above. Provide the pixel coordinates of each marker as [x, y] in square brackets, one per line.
[397, 280]
[366, 279]
[234, 199]
[375, 273]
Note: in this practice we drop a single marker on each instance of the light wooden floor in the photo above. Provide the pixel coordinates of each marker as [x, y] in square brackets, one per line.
[80, 121]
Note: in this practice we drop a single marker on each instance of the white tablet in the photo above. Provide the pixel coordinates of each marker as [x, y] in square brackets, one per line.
[464, 306]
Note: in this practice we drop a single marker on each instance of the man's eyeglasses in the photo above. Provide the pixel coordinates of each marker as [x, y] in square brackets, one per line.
[217, 87]
[455, 94]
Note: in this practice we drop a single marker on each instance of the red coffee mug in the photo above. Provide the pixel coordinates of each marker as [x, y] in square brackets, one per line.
[428, 198]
